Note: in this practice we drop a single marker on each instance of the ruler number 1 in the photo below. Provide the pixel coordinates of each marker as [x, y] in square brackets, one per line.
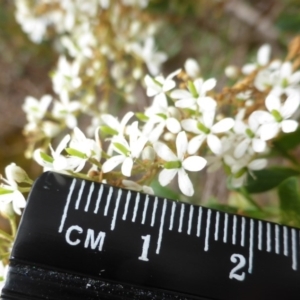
[241, 260]
[146, 244]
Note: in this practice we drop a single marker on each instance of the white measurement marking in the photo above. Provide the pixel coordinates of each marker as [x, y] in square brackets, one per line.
[294, 250]
[251, 246]
[113, 222]
[277, 241]
[217, 226]
[136, 206]
[285, 241]
[206, 247]
[181, 217]
[190, 219]
[100, 192]
[269, 246]
[225, 228]
[234, 230]
[108, 200]
[243, 232]
[162, 220]
[172, 215]
[126, 206]
[64, 216]
[80, 194]
[146, 245]
[260, 232]
[145, 209]
[154, 211]
[89, 197]
[199, 222]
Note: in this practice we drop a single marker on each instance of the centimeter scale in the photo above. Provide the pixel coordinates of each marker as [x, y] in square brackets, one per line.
[84, 240]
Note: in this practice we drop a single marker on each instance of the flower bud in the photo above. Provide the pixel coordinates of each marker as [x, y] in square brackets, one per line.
[231, 72]
[15, 174]
[192, 68]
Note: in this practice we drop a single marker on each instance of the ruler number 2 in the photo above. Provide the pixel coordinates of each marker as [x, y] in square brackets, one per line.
[241, 260]
[146, 244]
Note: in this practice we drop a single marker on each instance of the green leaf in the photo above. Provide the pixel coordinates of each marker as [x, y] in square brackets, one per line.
[142, 117]
[288, 141]
[289, 196]
[108, 130]
[123, 149]
[76, 153]
[268, 179]
[5, 191]
[46, 157]
[164, 192]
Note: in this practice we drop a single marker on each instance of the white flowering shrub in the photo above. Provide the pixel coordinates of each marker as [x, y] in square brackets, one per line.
[106, 49]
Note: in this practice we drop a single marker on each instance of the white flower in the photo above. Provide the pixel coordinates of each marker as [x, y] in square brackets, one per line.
[159, 85]
[36, 109]
[192, 68]
[196, 95]
[66, 77]
[207, 130]
[82, 148]
[160, 116]
[127, 152]
[250, 135]
[149, 55]
[241, 167]
[66, 110]
[56, 162]
[9, 192]
[131, 185]
[178, 164]
[262, 59]
[278, 116]
[116, 127]
[215, 162]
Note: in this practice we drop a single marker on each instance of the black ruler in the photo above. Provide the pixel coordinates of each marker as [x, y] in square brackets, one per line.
[84, 240]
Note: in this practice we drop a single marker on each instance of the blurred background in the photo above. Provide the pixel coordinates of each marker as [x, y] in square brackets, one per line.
[216, 33]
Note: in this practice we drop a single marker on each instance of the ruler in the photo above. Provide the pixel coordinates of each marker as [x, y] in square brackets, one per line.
[84, 240]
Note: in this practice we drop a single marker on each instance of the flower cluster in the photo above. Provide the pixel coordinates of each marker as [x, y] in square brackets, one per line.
[104, 47]
[189, 124]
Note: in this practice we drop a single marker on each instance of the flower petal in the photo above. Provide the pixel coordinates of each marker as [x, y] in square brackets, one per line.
[223, 125]
[290, 105]
[272, 103]
[214, 144]
[263, 54]
[268, 131]
[257, 164]
[195, 143]
[185, 184]
[241, 148]
[127, 166]
[289, 126]
[258, 145]
[194, 163]
[166, 176]
[181, 144]
[163, 151]
[208, 85]
[173, 125]
[112, 162]
[180, 94]
[185, 103]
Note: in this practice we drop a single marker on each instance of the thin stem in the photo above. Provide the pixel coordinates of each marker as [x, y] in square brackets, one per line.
[247, 196]
[6, 236]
